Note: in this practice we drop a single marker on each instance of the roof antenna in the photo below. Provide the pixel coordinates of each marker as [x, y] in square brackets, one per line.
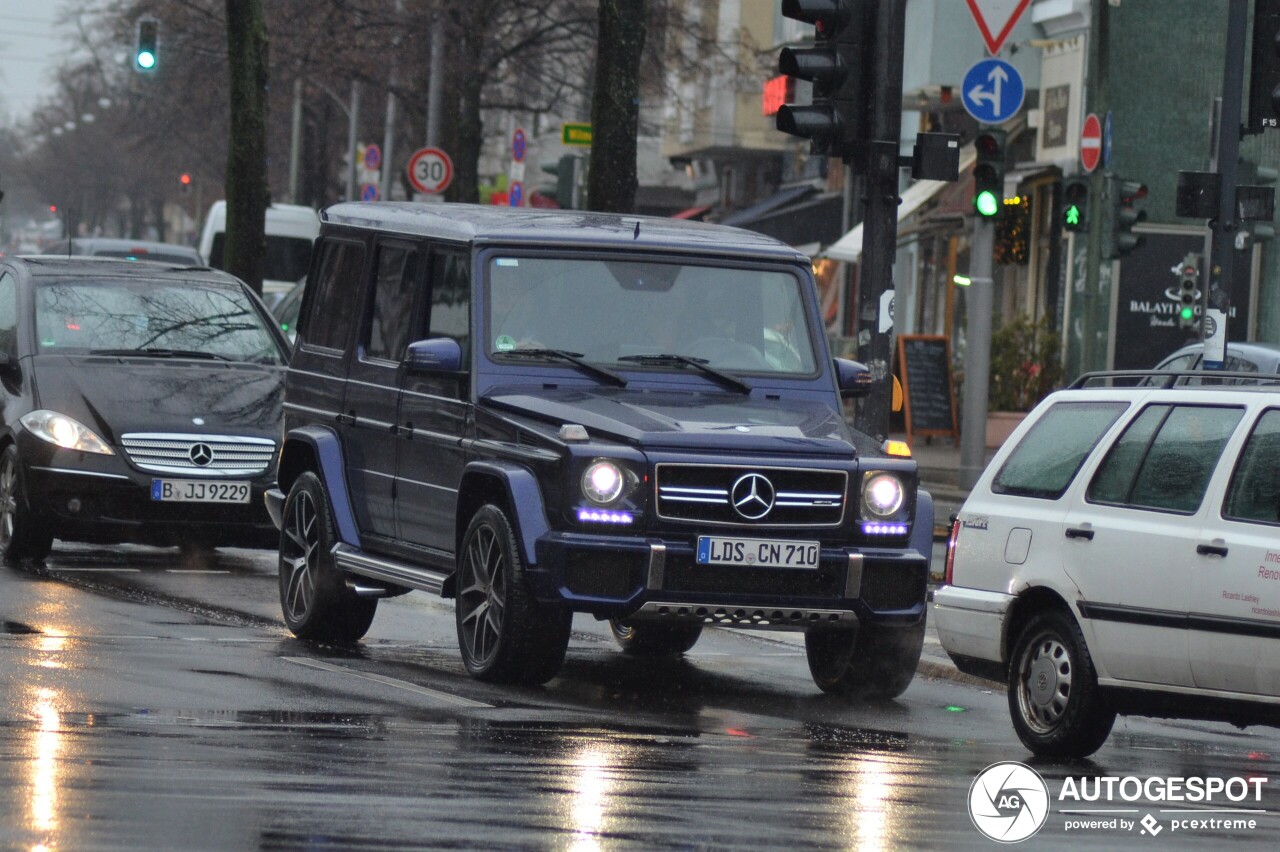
[636, 235]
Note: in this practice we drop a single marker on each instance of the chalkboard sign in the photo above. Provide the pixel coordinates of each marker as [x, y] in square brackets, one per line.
[924, 365]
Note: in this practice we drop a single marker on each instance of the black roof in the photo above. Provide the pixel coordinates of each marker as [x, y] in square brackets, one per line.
[480, 223]
[81, 266]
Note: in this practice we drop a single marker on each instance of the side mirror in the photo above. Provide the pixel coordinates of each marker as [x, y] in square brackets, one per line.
[437, 355]
[852, 378]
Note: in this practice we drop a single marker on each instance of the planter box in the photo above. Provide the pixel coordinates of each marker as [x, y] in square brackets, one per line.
[1000, 425]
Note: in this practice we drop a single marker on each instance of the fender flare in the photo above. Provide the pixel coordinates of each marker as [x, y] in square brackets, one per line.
[326, 450]
[524, 496]
[922, 526]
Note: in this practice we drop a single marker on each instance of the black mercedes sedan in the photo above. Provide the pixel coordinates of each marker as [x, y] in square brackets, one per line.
[142, 403]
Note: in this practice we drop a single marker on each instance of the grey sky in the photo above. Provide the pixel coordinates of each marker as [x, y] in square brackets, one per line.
[30, 48]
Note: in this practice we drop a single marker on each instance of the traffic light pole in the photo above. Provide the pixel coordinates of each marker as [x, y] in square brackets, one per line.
[1223, 229]
[880, 215]
[979, 304]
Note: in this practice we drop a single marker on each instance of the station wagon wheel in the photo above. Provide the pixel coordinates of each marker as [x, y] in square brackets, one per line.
[314, 597]
[504, 634]
[875, 662]
[649, 639]
[20, 536]
[1054, 699]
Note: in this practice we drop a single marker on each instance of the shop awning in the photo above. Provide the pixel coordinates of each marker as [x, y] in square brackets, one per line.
[849, 247]
[745, 217]
[695, 213]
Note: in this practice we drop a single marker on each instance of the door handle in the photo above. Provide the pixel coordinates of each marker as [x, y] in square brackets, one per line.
[345, 418]
[1211, 550]
[1076, 532]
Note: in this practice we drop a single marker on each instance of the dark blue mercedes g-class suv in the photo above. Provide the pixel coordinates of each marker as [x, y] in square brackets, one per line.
[539, 413]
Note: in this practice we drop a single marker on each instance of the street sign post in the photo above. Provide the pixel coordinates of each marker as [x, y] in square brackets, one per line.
[996, 19]
[518, 145]
[430, 170]
[372, 157]
[992, 91]
[516, 193]
[1108, 129]
[369, 192]
[576, 134]
[1091, 143]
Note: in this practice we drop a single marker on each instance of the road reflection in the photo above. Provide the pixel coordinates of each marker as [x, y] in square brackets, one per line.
[45, 780]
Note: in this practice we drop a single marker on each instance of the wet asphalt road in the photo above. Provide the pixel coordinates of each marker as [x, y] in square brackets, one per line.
[152, 702]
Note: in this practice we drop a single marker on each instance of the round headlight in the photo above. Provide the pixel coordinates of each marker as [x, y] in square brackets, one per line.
[602, 482]
[882, 494]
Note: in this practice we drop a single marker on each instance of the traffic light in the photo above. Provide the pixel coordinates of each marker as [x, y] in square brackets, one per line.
[144, 58]
[1264, 75]
[1188, 291]
[1255, 189]
[1075, 204]
[988, 173]
[837, 66]
[185, 180]
[566, 172]
[1124, 195]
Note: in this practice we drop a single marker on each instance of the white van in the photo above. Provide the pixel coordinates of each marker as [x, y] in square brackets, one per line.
[291, 229]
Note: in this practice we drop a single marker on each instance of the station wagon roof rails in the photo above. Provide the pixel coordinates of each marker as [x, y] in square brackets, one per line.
[1170, 378]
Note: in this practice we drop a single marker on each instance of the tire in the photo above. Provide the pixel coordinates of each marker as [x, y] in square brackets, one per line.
[21, 537]
[1054, 699]
[875, 662]
[314, 597]
[647, 639]
[504, 634]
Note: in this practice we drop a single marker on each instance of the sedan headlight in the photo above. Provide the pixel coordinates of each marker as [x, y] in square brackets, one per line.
[64, 431]
[882, 495]
[602, 482]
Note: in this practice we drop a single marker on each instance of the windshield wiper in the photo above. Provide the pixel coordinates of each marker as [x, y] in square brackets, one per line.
[697, 363]
[156, 352]
[574, 358]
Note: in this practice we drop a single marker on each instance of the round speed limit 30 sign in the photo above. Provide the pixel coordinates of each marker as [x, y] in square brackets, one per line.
[430, 170]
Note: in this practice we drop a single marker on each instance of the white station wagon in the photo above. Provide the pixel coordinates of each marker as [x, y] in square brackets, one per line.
[1121, 555]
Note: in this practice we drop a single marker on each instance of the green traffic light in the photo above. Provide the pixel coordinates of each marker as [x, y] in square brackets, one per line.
[1188, 312]
[146, 59]
[986, 203]
[1073, 215]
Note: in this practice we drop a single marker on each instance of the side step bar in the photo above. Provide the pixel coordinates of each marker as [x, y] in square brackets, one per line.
[387, 570]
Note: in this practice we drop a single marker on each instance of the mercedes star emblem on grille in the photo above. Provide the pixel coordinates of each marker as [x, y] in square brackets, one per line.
[202, 455]
[752, 496]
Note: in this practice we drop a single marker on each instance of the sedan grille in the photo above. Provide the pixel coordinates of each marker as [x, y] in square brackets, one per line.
[218, 455]
[752, 496]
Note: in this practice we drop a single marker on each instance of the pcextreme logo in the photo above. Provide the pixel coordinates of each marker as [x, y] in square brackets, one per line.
[1008, 802]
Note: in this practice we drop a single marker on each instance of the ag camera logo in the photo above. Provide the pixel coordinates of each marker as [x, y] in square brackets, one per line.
[1008, 802]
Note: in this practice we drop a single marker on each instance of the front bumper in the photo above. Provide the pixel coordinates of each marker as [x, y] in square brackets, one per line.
[102, 499]
[658, 577]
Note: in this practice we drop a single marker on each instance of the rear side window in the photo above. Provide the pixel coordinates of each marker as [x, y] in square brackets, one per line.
[1165, 458]
[1254, 492]
[1049, 455]
[395, 281]
[332, 306]
[451, 301]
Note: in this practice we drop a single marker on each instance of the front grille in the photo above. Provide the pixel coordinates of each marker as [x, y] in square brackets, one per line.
[227, 455]
[893, 586]
[719, 494]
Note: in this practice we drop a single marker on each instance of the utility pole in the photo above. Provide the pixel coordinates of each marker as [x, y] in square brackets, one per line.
[880, 218]
[979, 304]
[1223, 228]
[295, 138]
[1096, 308]
[389, 129]
[353, 137]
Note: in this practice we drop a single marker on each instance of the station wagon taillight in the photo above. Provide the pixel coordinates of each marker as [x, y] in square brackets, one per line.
[952, 540]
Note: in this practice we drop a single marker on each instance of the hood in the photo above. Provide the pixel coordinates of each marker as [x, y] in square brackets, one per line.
[661, 419]
[113, 396]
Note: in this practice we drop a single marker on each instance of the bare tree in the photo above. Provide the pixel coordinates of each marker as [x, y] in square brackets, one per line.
[615, 108]
[247, 193]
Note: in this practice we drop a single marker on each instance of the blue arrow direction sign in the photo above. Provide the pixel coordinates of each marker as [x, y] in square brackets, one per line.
[992, 91]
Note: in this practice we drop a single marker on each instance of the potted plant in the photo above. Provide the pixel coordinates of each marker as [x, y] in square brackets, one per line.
[1025, 368]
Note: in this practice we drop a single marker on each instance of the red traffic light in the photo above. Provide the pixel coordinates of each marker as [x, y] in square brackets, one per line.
[185, 179]
[986, 145]
[1189, 271]
[53, 208]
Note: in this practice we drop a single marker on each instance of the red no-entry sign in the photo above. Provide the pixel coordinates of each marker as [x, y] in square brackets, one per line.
[1091, 143]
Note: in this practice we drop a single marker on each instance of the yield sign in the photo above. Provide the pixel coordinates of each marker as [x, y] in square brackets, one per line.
[1091, 143]
[996, 19]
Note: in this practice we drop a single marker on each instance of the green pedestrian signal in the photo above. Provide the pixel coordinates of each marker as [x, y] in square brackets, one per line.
[1073, 215]
[1075, 201]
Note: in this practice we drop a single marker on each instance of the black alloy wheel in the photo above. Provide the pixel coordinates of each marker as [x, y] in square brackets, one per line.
[20, 536]
[504, 634]
[314, 597]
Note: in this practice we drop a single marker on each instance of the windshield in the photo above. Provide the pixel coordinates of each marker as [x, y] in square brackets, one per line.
[610, 311]
[198, 317]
